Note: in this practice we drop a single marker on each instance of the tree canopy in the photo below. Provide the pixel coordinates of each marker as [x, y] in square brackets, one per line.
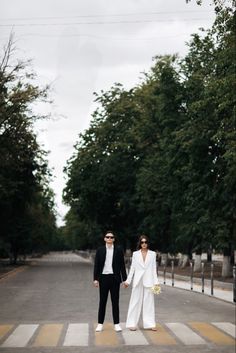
[159, 158]
[27, 213]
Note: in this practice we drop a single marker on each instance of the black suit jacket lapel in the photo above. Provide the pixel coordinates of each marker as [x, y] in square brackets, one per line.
[103, 256]
[114, 256]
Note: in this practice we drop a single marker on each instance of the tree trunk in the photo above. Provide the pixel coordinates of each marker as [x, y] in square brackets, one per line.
[197, 263]
[209, 254]
[15, 256]
[226, 266]
[233, 257]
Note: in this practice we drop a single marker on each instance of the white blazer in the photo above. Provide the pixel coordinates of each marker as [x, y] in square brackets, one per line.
[143, 270]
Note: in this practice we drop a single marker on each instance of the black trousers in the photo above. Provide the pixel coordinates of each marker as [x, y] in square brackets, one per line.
[107, 284]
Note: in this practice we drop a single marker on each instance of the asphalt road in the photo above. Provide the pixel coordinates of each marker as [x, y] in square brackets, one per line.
[51, 306]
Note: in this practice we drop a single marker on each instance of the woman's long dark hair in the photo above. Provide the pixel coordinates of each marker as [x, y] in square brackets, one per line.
[139, 241]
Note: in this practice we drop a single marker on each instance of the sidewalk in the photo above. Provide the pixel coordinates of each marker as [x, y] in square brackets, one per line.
[221, 290]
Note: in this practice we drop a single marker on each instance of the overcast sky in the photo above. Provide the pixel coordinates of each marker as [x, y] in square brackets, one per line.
[86, 46]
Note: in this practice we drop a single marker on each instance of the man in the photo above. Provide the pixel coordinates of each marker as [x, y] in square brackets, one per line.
[109, 272]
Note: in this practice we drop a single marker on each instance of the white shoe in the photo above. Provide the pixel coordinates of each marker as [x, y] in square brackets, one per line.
[117, 328]
[99, 328]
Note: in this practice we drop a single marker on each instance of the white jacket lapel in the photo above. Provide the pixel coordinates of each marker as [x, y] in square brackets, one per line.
[148, 259]
[140, 258]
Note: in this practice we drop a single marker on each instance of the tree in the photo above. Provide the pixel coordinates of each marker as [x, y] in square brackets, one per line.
[208, 134]
[102, 171]
[160, 158]
[24, 174]
[156, 181]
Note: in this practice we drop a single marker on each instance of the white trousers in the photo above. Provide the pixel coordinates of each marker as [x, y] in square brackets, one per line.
[142, 299]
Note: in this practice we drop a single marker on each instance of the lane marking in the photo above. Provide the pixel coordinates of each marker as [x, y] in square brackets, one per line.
[161, 336]
[227, 327]
[20, 336]
[133, 338]
[211, 333]
[77, 335]
[48, 335]
[185, 334]
[107, 337]
[4, 329]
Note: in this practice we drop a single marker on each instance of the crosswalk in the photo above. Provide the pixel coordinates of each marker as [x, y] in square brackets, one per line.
[83, 334]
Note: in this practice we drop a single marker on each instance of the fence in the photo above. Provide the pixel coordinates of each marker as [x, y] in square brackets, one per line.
[191, 278]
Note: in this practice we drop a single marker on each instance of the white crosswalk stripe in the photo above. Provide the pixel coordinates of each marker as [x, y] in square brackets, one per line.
[77, 335]
[133, 338]
[20, 336]
[82, 335]
[227, 327]
[185, 334]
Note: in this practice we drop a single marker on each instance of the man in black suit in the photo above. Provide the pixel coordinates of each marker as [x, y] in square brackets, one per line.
[109, 273]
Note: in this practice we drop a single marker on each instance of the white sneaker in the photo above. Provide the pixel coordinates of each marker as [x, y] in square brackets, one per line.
[117, 328]
[99, 328]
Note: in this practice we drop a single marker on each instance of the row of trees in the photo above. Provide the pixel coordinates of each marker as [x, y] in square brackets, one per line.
[27, 215]
[161, 158]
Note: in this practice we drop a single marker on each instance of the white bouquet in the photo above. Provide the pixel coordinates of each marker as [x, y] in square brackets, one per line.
[156, 289]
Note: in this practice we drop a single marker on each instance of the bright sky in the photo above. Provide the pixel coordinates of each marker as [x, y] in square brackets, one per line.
[81, 47]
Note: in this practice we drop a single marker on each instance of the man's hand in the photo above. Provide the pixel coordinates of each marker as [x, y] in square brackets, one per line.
[96, 283]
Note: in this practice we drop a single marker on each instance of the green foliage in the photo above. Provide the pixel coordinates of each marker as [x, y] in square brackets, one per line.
[102, 172]
[208, 134]
[160, 158]
[26, 202]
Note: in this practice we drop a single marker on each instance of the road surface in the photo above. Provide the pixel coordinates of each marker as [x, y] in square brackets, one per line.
[51, 306]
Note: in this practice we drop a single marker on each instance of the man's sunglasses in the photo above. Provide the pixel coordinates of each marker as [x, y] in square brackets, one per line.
[143, 242]
[109, 237]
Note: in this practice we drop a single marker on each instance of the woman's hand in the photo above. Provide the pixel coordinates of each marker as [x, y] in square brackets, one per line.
[125, 284]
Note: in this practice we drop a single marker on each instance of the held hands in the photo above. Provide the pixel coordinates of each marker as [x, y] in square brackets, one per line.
[124, 284]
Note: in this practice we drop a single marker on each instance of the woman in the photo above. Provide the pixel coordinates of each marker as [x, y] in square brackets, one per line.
[144, 275]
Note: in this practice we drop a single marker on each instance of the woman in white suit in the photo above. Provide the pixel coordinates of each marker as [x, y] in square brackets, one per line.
[143, 272]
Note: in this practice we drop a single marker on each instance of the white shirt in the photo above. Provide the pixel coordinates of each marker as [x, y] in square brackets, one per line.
[108, 262]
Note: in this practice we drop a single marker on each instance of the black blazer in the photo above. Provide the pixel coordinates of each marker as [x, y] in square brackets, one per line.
[118, 263]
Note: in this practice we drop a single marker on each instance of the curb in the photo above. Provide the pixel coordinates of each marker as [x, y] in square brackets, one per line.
[196, 280]
[197, 292]
[13, 272]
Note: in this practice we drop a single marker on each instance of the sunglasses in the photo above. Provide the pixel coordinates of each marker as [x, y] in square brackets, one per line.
[109, 237]
[143, 242]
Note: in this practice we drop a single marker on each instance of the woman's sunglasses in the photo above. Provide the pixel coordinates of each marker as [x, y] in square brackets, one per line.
[109, 237]
[143, 242]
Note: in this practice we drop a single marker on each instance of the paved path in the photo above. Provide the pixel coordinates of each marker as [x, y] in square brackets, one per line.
[51, 306]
